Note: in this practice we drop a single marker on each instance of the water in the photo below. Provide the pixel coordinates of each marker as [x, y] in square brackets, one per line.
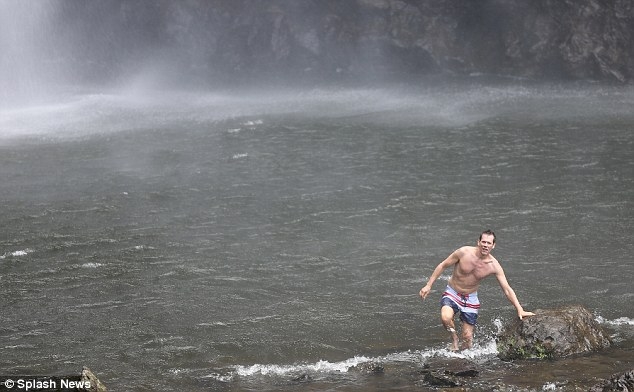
[273, 240]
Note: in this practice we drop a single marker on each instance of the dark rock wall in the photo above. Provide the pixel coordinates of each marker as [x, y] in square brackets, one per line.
[540, 39]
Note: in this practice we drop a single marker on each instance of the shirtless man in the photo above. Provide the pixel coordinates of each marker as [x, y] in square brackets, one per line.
[471, 265]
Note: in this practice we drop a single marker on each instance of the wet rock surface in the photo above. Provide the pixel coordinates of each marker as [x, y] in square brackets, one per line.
[371, 367]
[89, 378]
[575, 39]
[449, 372]
[552, 334]
[573, 374]
[620, 382]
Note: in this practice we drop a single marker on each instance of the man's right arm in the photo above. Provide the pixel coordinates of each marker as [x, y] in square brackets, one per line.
[449, 261]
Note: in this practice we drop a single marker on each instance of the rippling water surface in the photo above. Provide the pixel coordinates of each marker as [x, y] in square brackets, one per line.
[276, 240]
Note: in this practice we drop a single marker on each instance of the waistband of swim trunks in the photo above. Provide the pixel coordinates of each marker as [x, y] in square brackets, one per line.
[462, 295]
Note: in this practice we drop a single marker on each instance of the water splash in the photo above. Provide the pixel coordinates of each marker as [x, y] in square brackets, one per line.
[480, 352]
[317, 367]
[616, 322]
[17, 253]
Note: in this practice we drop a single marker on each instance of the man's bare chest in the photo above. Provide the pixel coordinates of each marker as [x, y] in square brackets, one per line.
[478, 269]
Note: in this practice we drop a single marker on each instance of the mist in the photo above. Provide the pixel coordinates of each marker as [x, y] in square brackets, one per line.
[66, 46]
[198, 192]
[74, 67]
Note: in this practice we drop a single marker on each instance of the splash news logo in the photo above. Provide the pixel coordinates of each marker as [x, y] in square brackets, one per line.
[42, 384]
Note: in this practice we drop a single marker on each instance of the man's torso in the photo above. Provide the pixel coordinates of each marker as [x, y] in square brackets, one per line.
[470, 270]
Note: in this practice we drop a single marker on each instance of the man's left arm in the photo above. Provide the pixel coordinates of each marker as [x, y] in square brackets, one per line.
[510, 294]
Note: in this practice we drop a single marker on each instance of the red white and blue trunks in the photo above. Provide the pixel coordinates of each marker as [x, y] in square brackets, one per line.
[465, 304]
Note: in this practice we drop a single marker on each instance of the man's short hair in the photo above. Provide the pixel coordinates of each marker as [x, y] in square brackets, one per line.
[488, 232]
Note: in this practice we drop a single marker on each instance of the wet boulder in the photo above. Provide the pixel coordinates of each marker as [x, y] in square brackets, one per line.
[623, 382]
[552, 334]
[449, 372]
[90, 382]
[370, 367]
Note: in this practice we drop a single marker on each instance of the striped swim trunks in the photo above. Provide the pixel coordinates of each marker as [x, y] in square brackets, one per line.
[465, 304]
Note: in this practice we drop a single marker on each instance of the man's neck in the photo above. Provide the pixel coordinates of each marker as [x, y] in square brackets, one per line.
[483, 257]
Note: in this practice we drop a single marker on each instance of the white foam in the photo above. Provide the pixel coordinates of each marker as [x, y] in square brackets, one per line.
[214, 324]
[253, 123]
[220, 377]
[485, 350]
[478, 351]
[619, 321]
[17, 253]
[318, 367]
[549, 387]
[499, 325]
[91, 265]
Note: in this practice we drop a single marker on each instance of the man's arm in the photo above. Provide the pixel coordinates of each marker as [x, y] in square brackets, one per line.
[449, 261]
[510, 294]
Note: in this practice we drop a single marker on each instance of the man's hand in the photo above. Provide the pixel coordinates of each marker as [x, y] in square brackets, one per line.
[524, 313]
[424, 292]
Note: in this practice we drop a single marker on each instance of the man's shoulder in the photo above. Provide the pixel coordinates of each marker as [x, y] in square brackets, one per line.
[467, 249]
[465, 252]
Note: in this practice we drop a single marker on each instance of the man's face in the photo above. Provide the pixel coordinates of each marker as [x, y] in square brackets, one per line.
[486, 244]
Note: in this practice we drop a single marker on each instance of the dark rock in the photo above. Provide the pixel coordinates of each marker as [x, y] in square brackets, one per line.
[449, 372]
[552, 334]
[623, 382]
[369, 367]
[95, 384]
[303, 378]
[570, 39]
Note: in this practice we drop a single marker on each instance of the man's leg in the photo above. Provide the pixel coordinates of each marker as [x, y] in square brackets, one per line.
[446, 316]
[467, 335]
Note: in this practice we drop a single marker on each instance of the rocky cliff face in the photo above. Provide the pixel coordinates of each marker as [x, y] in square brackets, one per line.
[571, 39]
[539, 39]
